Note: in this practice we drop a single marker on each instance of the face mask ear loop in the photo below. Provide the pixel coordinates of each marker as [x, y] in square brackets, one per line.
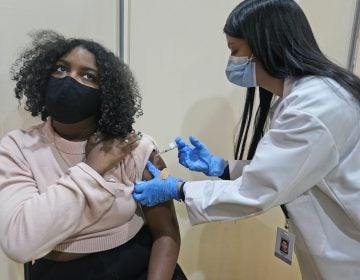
[252, 57]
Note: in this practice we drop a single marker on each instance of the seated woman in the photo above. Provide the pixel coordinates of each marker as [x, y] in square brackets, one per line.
[66, 184]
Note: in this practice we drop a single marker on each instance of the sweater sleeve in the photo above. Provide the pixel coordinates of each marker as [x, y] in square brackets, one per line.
[32, 223]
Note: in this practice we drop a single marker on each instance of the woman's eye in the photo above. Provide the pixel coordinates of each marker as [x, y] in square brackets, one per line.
[60, 68]
[89, 77]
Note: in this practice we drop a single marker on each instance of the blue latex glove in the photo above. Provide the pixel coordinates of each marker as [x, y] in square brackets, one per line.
[199, 158]
[156, 190]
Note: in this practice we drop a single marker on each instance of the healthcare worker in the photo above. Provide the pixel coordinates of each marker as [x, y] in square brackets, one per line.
[308, 160]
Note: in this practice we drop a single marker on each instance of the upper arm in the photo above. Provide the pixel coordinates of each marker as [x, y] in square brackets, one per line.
[162, 217]
[156, 159]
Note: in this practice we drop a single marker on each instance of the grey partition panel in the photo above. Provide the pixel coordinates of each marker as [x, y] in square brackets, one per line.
[354, 46]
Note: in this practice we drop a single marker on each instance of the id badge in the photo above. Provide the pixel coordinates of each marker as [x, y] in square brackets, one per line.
[284, 245]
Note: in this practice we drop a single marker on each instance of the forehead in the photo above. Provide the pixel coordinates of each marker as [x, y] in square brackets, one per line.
[80, 56]
[238, 43]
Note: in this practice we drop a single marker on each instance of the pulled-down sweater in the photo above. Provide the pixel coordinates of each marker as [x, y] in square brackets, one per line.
[51, 200]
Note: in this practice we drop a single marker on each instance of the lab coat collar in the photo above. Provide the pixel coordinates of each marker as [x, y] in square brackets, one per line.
[289, 84]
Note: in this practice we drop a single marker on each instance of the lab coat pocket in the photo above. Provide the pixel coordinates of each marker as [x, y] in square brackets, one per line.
[308, 227]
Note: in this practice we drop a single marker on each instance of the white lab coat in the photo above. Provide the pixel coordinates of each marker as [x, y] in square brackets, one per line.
[310, 161]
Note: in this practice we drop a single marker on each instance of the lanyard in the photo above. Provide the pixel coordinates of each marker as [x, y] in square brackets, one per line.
[286, 213]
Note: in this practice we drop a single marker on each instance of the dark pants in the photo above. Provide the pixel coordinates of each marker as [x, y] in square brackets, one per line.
[126, 262]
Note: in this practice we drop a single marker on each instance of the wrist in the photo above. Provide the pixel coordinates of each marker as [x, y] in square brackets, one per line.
[180, 190]
[99, 169]
[217, 166]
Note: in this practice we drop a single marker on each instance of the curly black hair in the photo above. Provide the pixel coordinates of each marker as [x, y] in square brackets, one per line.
[120, 97]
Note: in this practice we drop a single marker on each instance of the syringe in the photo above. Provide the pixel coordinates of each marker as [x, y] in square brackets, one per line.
[172, 146]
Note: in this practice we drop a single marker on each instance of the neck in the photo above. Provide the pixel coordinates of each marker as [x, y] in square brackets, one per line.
[275, 86]
[79, 131]
[268, 82]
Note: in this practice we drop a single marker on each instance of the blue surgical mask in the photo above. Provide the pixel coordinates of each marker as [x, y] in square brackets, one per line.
[241, 71]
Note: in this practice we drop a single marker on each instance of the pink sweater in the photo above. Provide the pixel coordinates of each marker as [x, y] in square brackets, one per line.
[51, 200]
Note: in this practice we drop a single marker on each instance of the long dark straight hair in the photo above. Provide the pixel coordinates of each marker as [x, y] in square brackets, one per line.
[280, 36]
[265, 100]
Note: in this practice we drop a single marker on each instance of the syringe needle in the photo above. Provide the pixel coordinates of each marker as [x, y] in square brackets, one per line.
[172, 146]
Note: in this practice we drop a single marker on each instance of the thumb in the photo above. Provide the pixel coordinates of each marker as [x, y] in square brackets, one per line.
[197, 144]
[139, 187]
[179, 142]
[152, 169]
[138, 196]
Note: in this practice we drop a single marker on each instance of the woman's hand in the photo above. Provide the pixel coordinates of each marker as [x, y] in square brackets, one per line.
[156, 190]
[103, 153]
[199, 158]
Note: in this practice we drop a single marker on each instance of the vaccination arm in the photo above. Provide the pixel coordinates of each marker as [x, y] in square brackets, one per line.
[196, 158]
[292, 157]
[164, 227]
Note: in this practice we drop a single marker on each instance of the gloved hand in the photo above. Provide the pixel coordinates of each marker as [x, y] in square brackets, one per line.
[156, 190]
[199, 158]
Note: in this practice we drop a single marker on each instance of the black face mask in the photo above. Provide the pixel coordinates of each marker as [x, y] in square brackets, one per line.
[68, 101]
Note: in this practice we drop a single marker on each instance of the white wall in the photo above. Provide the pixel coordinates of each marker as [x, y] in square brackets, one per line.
[93, 19]
[357, 58]
[332, 23]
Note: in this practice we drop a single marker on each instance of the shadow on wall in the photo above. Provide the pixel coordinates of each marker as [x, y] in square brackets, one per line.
[212, 121]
